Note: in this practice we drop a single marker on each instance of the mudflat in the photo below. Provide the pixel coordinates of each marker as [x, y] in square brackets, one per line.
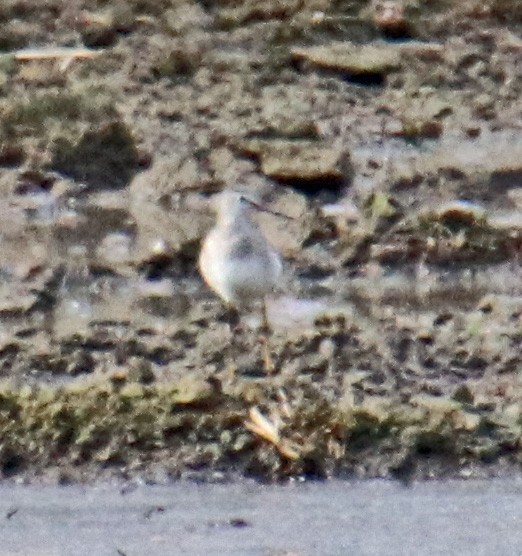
[389, 131]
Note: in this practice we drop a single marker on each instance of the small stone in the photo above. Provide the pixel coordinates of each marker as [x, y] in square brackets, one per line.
[509, 42]
[11, 154]
[405, 175]
[314, 364]
[306, 162]
[466, 421]
[115, 248]
[80, 362]
[484, 106]
[389, 16]
[140, 370]
[461, 212]
[327, 348]
[515, 196]
[98, 32]
[428, 129]
[181, 61]
[463, 394]
[473, 131]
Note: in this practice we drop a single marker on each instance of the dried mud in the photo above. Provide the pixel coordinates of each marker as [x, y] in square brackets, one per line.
[393, 139]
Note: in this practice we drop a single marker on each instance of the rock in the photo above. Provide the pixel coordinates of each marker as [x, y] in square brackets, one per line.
[463, 394]
[425, 129]
[186, 18]
[178, 62]
[428, 51]
[507, 178]
[306, 165]
[99, 33]
[286, 111]
[459, 212]
[315, 363]
[509, 42]
[167, 176]
[345, 215]
[405, 176]
[115, 248]
[435, 404]
[16, 305]
[11, 154]
[506, 221]
[484, 106]
[515, 196]
[389, 16]
[422, 116]
[472, 130]
[350, 59]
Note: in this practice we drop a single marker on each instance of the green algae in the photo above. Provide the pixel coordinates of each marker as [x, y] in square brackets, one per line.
[136, 425]
[34, 112]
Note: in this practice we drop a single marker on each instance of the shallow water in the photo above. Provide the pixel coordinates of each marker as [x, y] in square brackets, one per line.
[47, 230]
[475, 517]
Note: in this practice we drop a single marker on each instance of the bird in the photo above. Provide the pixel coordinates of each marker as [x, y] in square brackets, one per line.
[237, 262]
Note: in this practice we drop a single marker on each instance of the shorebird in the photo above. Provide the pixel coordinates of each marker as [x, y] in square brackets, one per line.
[237, 262]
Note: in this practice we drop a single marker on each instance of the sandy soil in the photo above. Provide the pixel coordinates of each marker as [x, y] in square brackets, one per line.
[389, 131]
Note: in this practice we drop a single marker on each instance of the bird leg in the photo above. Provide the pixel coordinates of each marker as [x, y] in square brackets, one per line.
[234, 328]
[233, 318]
[264, 339]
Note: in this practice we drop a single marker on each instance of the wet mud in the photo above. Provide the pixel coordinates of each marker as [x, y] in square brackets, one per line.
[389, 131]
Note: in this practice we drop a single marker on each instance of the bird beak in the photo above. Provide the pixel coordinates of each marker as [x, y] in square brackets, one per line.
[262, 208]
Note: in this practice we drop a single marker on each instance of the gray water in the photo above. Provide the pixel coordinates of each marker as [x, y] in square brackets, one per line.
[476, 517]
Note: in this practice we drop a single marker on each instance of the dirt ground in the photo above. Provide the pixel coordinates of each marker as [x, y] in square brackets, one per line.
[390, 132]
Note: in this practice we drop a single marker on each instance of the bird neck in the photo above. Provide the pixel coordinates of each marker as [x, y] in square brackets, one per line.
[239, 221]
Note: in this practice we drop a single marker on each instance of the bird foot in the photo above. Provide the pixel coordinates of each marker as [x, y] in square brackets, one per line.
[268, 362]
[229, 374]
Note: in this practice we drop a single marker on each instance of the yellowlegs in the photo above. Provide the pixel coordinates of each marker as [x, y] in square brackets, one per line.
[236, 260]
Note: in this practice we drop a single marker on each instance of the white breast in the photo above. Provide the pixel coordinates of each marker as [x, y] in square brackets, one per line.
[239, 277]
